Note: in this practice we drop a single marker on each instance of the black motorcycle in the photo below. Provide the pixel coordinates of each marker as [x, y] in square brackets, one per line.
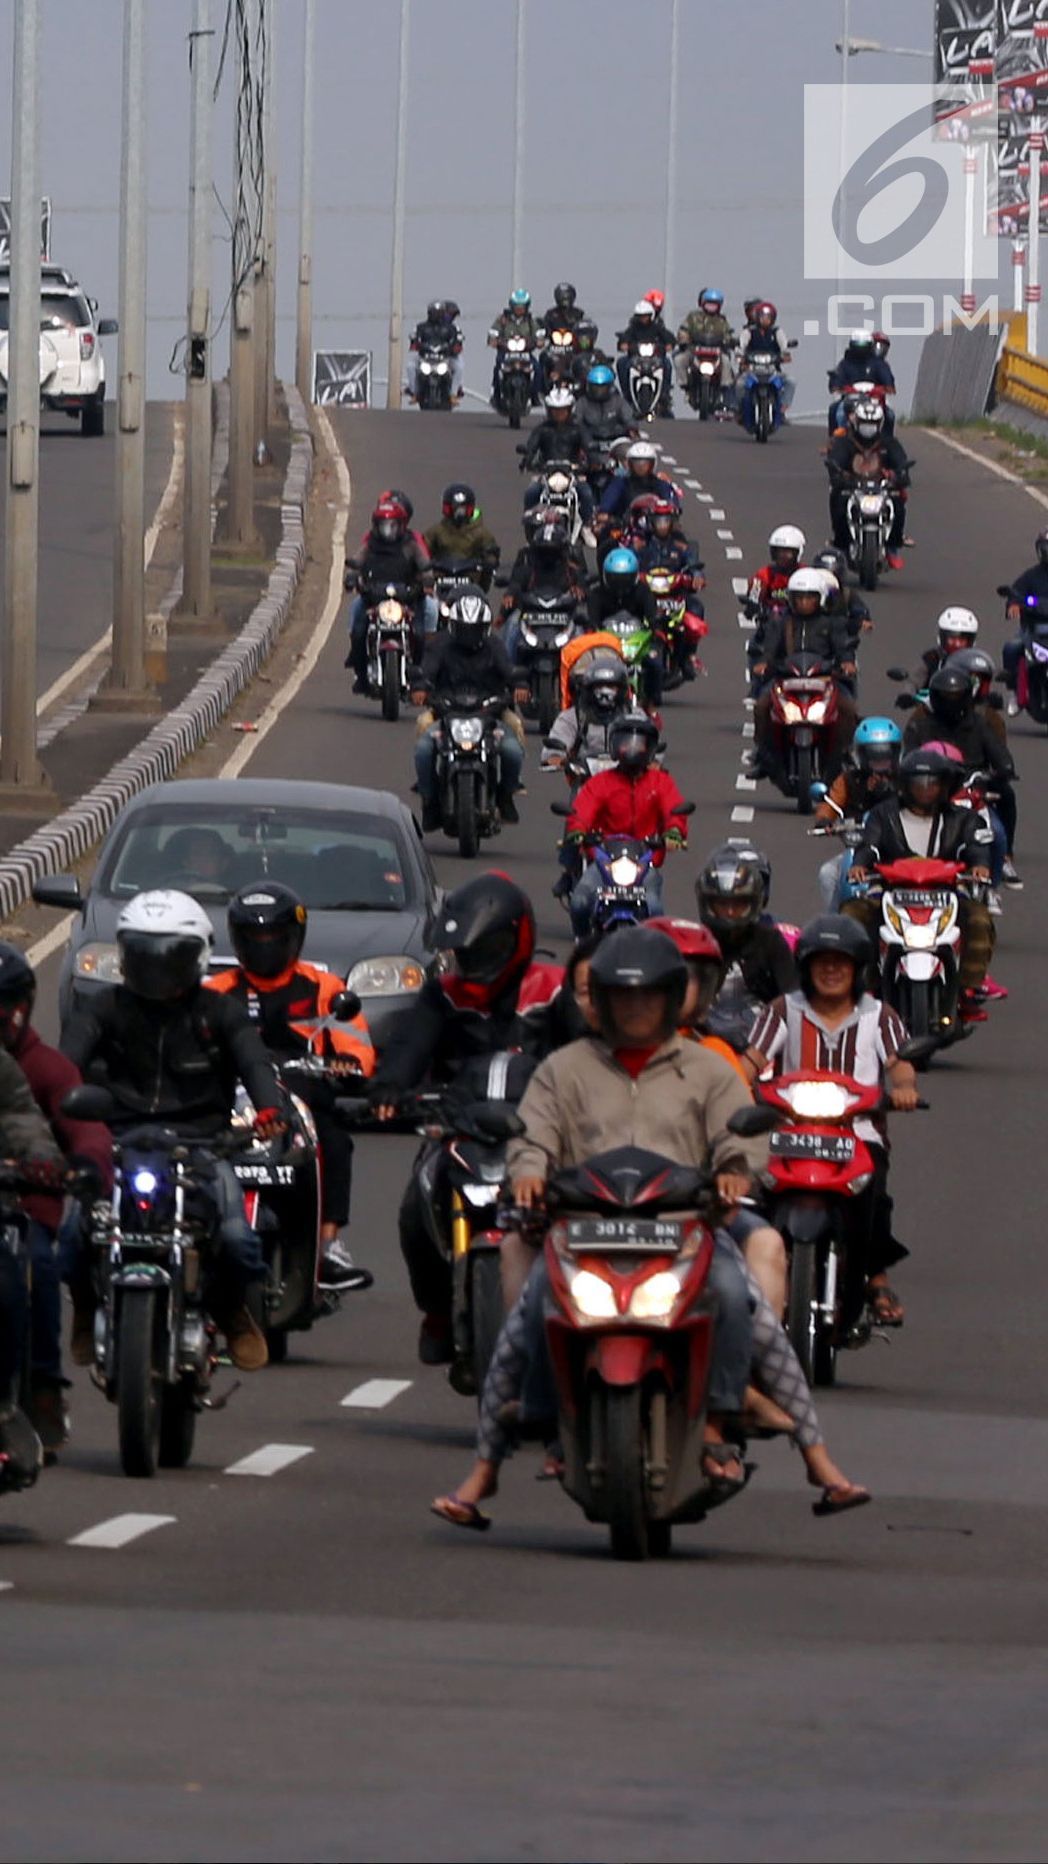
[468, 742]
[390, 641]
[547, 624]
[434, 378]
[1031, 680]
[14, 1245]
[513, 394]
[452, 576]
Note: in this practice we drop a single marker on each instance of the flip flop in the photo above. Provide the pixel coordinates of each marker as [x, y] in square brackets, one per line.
[720, 1454]
[460, 1514]
[839, 1499]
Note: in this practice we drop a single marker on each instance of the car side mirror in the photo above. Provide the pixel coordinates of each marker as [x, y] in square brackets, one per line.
[754, 1122]
[345, 1006]
[108, 327]
[89, 1103]
[61, 890]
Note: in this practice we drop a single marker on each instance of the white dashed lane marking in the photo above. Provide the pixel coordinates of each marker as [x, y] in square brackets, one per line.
[716, 514]
[374, 1393]
[739, 585]
[742, 813]
[120, 1530]
[270, 1459]
[745, 783]
[748, 728]
[734, 552]
[7, 1585]
[726, 536]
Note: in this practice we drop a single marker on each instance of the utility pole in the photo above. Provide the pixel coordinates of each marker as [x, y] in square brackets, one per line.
[126, 680]
[396, 295]
[668, 254]
[265, 288]
[18, 760]
[516, 271]
[304, 307]
[196, 516]
[240, 510]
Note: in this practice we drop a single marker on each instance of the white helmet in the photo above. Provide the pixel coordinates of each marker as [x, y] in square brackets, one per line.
[165, 940]
[560, 396]
[644, 309]
[787, 537]
[957, 620]
[831, 588]
[807, 582]
[642, 450]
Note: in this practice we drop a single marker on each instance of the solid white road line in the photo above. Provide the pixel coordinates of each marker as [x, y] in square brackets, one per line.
[121, 1529]
[375, 1393]
[742, 813]
[270, 1459]
[980, 459]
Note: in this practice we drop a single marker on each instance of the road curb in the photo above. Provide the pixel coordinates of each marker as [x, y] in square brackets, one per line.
[67, 838]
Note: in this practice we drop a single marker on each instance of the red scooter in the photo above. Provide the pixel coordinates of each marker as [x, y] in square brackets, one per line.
[803, 726]
[629, 1323]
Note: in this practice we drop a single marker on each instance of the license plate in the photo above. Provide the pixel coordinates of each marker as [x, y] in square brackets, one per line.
[265, 1174]
[654, 1233]
[909, 897]
[835, 1150]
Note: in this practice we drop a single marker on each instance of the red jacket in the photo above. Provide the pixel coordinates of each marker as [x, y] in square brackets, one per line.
[768, 583]
[615, 804]
[51, 1077]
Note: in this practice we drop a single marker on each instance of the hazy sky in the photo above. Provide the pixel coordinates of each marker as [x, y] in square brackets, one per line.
[597, 78]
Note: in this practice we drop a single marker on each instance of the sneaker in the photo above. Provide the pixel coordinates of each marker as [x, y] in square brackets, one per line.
[993, 902]
[21, 1452]
[49, 1414]
[894, 561]
[970, 1009]
[431, 818]
[991, 991]
[434, 1340]
[339, 1273]
[1012, 707]
[360, 684]
[1010, 875]
[246, 1342]
[508, 809]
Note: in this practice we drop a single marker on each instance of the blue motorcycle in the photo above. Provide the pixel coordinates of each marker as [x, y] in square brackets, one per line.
[762, 385]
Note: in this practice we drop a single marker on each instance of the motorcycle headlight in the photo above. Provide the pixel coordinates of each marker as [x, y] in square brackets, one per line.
[870, 504]
[1040, 653]
[515, 346]
[645, 349]
[391, 612]
[528, 634]
[99, 961]
[144, 1182]
[440, 368]
[425, 368]
[480, 1194]
[792, 712]
[592, 1295]
[656, 1297]
[921, 938]
[466, 732]
[818, 1100]
[817, 711]
[563, 636]
[624, 871]
[559, 482]
[385, 977]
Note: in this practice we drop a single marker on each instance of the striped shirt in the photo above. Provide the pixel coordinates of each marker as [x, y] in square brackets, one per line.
[790, 1034]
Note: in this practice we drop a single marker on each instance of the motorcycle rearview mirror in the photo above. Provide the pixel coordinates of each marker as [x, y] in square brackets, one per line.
[753, 1122]
[521, 447]
[792, 344]
[345, 1006]
[89, 1103]
[898, 674]
[496, 1119]
[560, 808]
[995, 701]
[906, 702]
[685, 809]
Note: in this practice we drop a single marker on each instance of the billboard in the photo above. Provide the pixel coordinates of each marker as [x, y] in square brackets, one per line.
[5, 230]
[996, 52]
[342, 378]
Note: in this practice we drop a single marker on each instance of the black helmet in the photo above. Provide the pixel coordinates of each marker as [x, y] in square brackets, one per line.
[488, 926]
[950, 693]
[637, 958]
[469, 617]
[737, 873]
[978, 664]
[459, 503]
[1041, 547]
[17, 993]
[633, 741]
[922, 768]
[603, 689]
[549, 543]
[832, 559]
[836, 933]
[267, 926]
[564, 297]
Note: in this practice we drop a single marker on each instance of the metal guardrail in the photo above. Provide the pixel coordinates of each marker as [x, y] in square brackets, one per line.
[1022, 379]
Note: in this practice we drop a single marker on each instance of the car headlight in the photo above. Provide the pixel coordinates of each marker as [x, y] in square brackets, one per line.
[656, 1297]
[818, 1100]
[624, 871]
[592, 1295]
[385, 977]
[98, 961]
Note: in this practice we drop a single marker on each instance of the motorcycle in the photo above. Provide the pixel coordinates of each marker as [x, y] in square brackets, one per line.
[434, 378]
[390, 639]
[817, 1164]
[1031, 678]
[762, 383]
[803, 720]
[468, 767]
[919, 945]
[847, 399]
[870, 514]
[450, 578]
[623, 863]
[558, 494]
[14, 1475]
[644, 651]
[703, 384]
[644, 375]
[515, 378]
[563, 358]
[630, 1332]
[547, 624]
[156, 1345]
[681, 630]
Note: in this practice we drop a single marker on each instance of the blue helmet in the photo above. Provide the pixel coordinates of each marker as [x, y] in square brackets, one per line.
[712, 297]
[877, 747]
[600, 376]
[520, 297]
[620, 571]
[877, 731]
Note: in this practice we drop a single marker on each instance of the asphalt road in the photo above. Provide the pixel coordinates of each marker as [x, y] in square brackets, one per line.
[308, 1665]
[77, 508]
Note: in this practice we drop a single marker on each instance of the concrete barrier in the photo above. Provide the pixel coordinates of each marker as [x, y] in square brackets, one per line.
[955, 376]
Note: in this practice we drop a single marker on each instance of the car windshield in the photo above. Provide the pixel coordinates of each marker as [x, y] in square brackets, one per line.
[58, 311]
[335, 861]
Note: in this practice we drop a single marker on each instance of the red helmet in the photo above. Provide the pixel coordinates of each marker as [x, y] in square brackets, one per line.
[657, 298]
[400, 498]
[389, 510]
[765, 312]
[691, 939]
[662, 508]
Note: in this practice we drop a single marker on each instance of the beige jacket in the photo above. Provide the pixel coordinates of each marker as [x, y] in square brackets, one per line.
[580, 1102]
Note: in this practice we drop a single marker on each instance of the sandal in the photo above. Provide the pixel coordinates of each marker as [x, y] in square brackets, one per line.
[720, 1455]
[459, 1513]
[840, 1498]
[885, 1306]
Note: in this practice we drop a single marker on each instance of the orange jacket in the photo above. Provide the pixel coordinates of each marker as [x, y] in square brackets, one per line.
[285, 1006]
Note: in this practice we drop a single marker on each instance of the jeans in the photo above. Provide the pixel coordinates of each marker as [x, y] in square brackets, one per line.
[511, 763]
[411, 374]
[45, 1313]
[584, 897]
[999, 848]
[427, 615]
[238, 1259]
[14, 1317]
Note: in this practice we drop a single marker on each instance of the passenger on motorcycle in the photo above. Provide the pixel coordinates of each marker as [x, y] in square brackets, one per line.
[489, 997]
[951, 712]
[833, 1023]
[636, 798]
[283, 995]
[601, 696]
[1028, 591]
[803, 628]
[438, 330]
[981, 670]
[921, 820]
[467, 657]
[389, 553]
[859, 363]
[171, 1053]
[638, 479]
[864, 449]
[708, 328]
[842, 599]
[763, 337]
[732, 892]
[545, 567]
[55, 1248]
[645, 325]
[867, 776]
[785, 550]
[461, 536]
[515, 321]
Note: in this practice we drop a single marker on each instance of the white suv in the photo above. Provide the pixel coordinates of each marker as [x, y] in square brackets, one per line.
[72, 369]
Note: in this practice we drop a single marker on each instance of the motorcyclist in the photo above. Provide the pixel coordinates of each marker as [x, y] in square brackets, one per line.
[171, 1053]
[25, 1137]
[867, 776]
[806, 1029]
[467, 657]
[843, 599]
[956, 629]
[438, 330]
[515, 321]
[55, 1248]
[489, 997]
[860, 363]
[389, 553]
[920, 819]
[620, 590]
[635, 798]
[461, 536]
[523, 565]
[803, 627]
[283, 995]
[600, 410]
[558, 438]
[988, 707]
[786, 546]
[665, 547]
[645, 325]
[1028, 591]
[601, 696]
[763, 337]
[565, 313]
[950, 712]
[545, 567]
[707, 328]
[731, 893]
[638, 479]
[864, 449]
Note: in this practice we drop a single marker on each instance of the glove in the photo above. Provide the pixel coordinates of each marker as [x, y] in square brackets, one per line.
[674, 838]
[270, 1122]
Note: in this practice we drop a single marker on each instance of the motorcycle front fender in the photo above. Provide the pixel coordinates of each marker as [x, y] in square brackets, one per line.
[804, 1220]
[919, 966]
[140, 1275]
[804, 737]
[621, 1358]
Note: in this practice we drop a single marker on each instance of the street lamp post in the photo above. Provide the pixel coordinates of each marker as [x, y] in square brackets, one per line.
[668, 255]
[304, 316]
[196, 516]
[396, 295]
[127, 672]
[518, 153]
